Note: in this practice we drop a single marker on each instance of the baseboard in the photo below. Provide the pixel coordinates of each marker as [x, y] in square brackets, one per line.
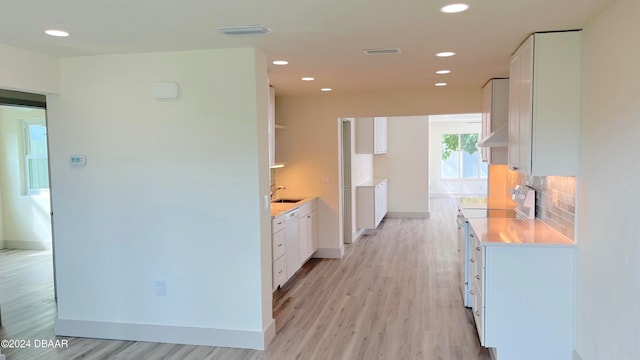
[357, 235]
[493, 352]
[408, 214]
[244, 339]
[26, 245]
[329, 253]
[1, 247]
[576, 356]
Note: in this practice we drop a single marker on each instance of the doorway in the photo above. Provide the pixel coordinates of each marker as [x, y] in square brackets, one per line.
[347, 197]
[25, 202]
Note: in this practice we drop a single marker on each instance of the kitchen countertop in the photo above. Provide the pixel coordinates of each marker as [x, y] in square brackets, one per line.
[278, 208]
[510, 232]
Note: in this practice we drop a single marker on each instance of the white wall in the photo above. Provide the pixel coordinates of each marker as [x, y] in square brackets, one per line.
[310, 143]
[172, 191]
[25, 218]
[444, 187]
[608, 310]
[406, 165]
[28, 71]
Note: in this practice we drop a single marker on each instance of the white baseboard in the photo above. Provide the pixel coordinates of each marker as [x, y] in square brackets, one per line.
[576, 356]
[26, 245]
[408, 214]
[329, 253]
[357, 235]
[245, 339]
[1, 247]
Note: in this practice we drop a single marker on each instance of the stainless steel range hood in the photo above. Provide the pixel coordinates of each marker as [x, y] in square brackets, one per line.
[498, 138]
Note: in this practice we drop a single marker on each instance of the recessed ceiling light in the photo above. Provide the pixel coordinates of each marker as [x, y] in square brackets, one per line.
[280, 62]
[442, 72]
[441, 84]
[445, 54]
[308, 78]
[326, 89]
[454, 8]
[58, 33]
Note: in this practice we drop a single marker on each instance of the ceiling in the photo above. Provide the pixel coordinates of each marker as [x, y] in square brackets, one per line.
[322, 38]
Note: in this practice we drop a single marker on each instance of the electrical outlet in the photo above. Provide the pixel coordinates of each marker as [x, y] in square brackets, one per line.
[161, 289]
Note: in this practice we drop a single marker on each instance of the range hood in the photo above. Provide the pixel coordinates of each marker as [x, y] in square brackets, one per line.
[498, 138]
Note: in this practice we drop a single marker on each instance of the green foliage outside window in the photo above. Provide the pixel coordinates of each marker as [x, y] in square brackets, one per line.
[455, 142]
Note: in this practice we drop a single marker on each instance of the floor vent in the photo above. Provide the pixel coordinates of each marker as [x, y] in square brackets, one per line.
[382, 51]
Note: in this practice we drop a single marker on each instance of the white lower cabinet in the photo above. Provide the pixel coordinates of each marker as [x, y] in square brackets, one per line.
[293, 241]
[523, 299]
[278, 251]
[308, 241]
[371, 203]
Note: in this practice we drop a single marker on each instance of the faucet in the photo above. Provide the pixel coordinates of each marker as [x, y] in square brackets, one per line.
[281, 187]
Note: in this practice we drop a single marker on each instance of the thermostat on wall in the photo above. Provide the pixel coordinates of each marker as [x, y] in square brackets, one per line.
[78, 160]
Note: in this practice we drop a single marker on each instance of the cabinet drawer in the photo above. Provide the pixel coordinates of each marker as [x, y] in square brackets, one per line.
[478, 312]
[277, 245]
[277, 224]
[279, 272]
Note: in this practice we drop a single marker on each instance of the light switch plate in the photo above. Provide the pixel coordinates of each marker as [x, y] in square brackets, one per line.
[77, 160]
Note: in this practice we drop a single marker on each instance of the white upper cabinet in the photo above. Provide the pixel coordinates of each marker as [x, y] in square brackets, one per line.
[371, 135]
[544, 104]
[495, 114]
[272, 126]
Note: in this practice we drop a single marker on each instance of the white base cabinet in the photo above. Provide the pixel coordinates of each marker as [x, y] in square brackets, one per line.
[278, 251]
[293, 241]
[371, 203]
[523, 299]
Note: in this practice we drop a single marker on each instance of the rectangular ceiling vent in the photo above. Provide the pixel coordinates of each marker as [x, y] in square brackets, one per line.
[245, 30]
[382, 51]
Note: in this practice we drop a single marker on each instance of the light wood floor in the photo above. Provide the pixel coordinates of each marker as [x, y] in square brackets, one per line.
[393, 296]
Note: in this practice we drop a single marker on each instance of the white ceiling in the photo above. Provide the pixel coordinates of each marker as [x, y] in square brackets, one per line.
[321, 38]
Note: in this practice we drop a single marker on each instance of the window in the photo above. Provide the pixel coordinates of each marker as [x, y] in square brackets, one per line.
[36, 158]
[461, 158]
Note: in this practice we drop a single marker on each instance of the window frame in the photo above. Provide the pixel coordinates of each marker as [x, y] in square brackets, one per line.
[459, 154]
[27, 155]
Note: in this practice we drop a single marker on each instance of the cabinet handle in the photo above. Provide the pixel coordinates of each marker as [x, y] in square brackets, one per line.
[472, 260]
[471, 235]
[514, 167]
[308, 216]
[471, 292]
[477, 277]
[477, 313]
[477, 248]
[279, 245]
[280, 272]
[280, 223]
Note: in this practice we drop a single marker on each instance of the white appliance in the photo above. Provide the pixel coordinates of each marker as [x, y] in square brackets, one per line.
[525, 199]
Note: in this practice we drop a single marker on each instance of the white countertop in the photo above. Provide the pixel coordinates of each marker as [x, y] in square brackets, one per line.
[508, 232]
[281, 208]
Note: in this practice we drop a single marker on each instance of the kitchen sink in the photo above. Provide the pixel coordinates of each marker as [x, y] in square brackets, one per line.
[286, 201]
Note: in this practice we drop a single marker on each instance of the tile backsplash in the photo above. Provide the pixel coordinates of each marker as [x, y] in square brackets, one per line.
[555, 200]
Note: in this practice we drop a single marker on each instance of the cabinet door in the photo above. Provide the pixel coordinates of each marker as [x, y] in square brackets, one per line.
[304, 238]
[311, 238]
[486, 119]
[272, 126]
[380, 135]
[514, 112]
[525, 107]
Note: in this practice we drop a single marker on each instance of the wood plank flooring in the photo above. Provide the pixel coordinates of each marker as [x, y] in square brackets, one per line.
[393, 296]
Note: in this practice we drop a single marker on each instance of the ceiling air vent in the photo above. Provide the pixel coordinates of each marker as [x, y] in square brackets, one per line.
[245, 30]
[382, 51]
